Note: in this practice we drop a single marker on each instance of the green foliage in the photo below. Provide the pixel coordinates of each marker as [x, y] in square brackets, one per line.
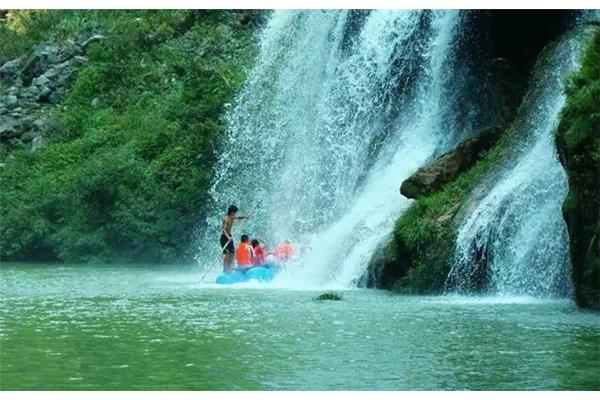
[578, 143]
[129, 179]
[329, 296]
[423, 238]
[425, 232]
[20, 29]
[580, 118]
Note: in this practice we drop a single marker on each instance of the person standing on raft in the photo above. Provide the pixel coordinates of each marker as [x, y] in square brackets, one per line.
[226, 239]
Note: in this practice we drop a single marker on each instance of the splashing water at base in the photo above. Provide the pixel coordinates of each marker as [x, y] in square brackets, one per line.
[340, 107]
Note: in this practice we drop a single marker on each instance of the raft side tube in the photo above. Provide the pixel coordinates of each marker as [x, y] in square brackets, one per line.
[264, 273]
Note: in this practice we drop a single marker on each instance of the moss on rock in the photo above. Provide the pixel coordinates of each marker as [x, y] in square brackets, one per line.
[329, 296]
[418, 255]
[578, 144]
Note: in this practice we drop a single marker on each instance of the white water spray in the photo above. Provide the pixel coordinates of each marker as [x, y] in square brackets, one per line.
[340, 107]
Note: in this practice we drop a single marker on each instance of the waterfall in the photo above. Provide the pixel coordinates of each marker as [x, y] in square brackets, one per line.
[515, 231]
[340, 107]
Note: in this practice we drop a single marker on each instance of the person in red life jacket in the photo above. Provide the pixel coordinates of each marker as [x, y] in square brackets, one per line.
[283, 251]
[258, 246]
[244, 253]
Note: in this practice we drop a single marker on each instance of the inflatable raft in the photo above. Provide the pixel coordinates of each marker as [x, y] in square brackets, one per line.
[263, 273]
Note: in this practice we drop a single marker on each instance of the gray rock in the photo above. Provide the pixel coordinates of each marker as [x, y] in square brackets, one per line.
[55, 96]
[43, 93]
[28, 136]
[50, 127]
[37, 143]
[93, 39]
[52, 123]
[45, 79]
[12, 127]
[52, 84]
[43, 57]
[11, 69]
[8, 101]
[43, 76]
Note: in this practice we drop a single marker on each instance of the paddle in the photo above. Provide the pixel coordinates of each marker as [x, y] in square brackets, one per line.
[241, 224]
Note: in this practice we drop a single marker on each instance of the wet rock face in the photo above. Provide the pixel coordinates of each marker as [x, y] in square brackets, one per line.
[502, 33]
[578, 144]
[30, 83]
[431, 178]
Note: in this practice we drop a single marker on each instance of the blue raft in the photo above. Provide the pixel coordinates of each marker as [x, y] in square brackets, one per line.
[263, 273]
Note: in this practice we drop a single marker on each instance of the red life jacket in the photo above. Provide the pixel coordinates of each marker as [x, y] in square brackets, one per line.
[259, 255]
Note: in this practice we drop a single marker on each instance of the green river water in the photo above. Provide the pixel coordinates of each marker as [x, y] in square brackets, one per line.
[132, 328]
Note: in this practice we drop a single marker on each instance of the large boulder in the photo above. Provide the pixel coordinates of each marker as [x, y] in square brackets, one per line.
[45, 56]
[431, 178]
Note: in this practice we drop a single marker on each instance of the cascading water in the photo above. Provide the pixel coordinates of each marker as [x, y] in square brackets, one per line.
[516, 233]
[340, 107]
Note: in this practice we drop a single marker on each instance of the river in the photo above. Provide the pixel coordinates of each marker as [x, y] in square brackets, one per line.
[78, 327]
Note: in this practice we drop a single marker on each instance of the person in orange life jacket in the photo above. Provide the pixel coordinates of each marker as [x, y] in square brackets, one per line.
[283, 251]
[258, 246]
[244, 253]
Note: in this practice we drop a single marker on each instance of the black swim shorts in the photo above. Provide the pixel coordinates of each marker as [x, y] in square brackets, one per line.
[229, 247]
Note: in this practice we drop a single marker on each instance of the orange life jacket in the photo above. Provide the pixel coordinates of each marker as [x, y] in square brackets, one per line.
[283, 251]
[243, 254]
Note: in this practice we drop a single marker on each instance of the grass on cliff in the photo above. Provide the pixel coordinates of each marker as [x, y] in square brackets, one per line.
[127, 177]
[425, 231]
[580, 118]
